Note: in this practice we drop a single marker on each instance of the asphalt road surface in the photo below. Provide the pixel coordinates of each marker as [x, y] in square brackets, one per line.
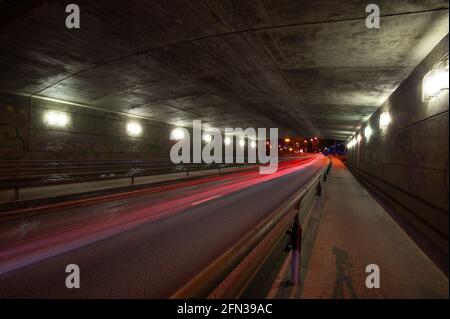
[144, 246]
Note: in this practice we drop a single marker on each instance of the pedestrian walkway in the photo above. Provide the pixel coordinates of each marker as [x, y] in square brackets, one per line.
[350, 231]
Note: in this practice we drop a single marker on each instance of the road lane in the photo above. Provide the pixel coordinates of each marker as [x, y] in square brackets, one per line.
[38, 237]
[154, 259]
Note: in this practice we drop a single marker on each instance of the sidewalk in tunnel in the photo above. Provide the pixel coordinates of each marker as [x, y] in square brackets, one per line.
[353, 231]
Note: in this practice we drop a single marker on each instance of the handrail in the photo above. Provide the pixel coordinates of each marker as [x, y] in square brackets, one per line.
[230, 273]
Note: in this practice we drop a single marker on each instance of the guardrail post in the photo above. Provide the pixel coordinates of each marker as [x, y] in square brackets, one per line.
[319, 189]
[132, 180]
[296, 251]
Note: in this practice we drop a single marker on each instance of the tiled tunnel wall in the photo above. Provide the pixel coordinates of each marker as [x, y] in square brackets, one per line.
[89, 134]
[406, 164]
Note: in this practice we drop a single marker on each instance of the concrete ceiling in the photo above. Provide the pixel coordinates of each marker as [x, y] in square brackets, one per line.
[307, 67]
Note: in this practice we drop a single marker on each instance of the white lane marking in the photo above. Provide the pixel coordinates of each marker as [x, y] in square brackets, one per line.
[206, 199]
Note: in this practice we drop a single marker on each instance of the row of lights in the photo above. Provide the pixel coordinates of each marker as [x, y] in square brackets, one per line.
[290, 149]
[434, 83]
[385, 119]
[295, 146]
[287, 140]
[178, 134]
[61, 119]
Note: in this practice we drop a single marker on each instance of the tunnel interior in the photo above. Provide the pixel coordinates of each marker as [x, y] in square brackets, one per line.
[90, 110]
[244, 64]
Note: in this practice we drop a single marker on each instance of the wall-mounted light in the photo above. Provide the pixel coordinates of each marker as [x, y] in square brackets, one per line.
[358, 138]
[368, 132]
[207, 138]
[177, 134]
[56, 118]
[227, 141]
[351, 143]
[385, 119]
[435, 81]
[287, 140]
[242, 143]
[134, 129]
[253, 144]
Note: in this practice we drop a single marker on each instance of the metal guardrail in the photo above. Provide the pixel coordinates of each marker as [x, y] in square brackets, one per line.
[27, 174]
[22, 182]
[229, 275]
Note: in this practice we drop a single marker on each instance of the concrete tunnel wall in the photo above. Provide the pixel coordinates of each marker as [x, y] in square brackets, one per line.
[89, 135]
[406, 164]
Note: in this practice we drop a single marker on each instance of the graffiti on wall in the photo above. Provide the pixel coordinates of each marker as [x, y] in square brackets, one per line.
[92, 146]
[12, 146]
[117, 145]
